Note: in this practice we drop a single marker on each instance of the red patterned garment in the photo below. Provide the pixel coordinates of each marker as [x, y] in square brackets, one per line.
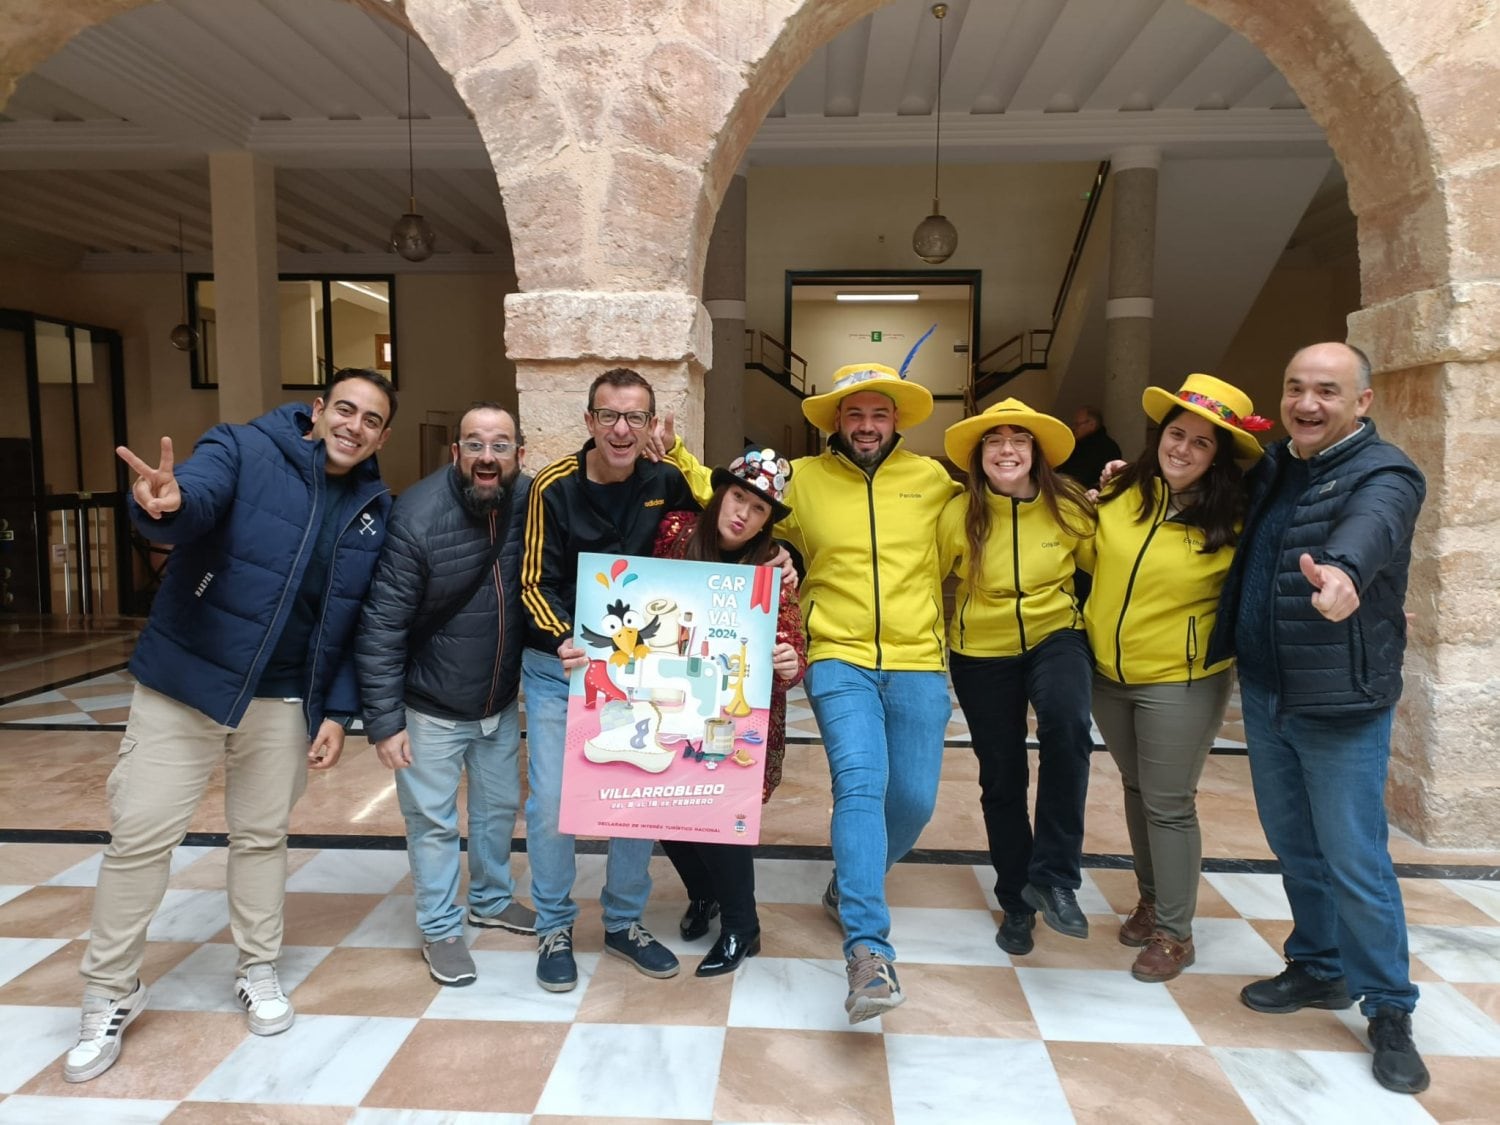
[671, 543]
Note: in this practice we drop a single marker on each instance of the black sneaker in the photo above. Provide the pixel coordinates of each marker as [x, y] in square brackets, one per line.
[1014, 934]
[695, 920]
[1058, 907]
[556, 971]
[1293, 989]
[831, 900]
[1397, 1066]
[636, 945]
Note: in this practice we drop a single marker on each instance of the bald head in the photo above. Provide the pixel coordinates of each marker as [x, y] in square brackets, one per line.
[1325, 393]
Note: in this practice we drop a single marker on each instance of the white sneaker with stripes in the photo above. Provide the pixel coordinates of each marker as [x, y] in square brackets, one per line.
[104, 1024]
[259, 992]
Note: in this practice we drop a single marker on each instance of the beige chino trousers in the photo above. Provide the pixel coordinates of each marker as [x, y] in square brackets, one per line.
[168, 755]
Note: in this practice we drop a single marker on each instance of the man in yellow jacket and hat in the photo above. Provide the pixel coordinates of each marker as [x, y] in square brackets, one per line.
[864, 520]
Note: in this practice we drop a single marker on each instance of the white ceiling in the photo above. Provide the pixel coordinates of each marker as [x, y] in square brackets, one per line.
[105, 144]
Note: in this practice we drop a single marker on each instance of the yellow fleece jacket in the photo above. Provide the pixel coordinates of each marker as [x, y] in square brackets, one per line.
[1155, 595]
[872, 594]
[1025, 590]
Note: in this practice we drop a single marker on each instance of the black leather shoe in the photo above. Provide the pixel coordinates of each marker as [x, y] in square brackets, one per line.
[1014, 934]
[1294, 989]
[696, 918]
[727, 953]
[1397, 1066]
[1058, 907]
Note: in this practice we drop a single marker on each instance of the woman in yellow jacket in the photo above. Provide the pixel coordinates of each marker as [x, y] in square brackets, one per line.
[1168, 525]
[1016, 638]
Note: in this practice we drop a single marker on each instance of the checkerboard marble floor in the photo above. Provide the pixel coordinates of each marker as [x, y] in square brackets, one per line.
[1063, 1034]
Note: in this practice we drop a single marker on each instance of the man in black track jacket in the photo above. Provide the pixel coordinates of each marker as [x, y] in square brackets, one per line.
[439, 660]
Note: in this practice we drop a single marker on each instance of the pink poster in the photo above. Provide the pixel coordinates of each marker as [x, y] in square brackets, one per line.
[667, 722]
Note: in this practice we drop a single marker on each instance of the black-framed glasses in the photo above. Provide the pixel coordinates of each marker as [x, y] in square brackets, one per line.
[635, 419]
[498, 448]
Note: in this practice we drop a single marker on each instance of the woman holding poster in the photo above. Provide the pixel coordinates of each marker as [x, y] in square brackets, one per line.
[735, 527]
[1016, 536]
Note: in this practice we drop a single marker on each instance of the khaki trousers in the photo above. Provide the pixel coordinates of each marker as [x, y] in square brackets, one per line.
[167, 757]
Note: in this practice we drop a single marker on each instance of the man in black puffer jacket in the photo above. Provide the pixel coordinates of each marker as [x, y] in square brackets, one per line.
[439, 660]
[1313, 610]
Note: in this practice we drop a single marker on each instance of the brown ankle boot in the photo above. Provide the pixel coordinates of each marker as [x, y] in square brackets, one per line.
[1164, 958]
[1136, 930]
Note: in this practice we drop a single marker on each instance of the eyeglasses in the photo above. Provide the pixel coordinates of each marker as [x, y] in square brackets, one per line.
[1018, 442]
[635, 419]
[498, 448]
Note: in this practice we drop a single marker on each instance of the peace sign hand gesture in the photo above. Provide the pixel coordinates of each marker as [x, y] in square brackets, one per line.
[155, 490]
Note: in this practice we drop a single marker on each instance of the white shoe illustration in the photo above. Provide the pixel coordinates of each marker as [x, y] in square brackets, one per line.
[634, 742]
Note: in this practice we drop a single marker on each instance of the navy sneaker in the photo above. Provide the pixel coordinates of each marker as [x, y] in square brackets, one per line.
[636, 945]
[556, 971]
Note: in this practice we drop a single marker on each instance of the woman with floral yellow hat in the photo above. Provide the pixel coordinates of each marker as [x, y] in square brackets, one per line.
[1016, 638]
[1168, 526]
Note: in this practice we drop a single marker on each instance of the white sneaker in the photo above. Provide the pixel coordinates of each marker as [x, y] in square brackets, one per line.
[260, 992]
[104, 1023]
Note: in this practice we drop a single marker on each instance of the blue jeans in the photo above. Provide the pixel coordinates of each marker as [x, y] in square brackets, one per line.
[883, 733]
[627, 878]
[1320, 791]
[427, 791]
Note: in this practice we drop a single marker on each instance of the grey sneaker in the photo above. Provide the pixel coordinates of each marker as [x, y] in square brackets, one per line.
[873, 987]
[449, 961]
[104, 1024]
[517, 917]
[259, 992]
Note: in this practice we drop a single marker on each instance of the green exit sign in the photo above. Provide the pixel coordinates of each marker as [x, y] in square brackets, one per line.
[875, 337]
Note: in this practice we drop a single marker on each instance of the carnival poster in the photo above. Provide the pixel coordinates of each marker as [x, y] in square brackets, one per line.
[667, 721]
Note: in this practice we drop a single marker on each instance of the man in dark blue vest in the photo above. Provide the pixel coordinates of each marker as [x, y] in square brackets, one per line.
[1313, 609]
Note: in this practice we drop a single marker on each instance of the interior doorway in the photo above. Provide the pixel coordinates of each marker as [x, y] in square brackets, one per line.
[64, 537]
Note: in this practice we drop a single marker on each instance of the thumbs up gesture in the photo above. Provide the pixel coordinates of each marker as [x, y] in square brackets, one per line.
[155, 490]
[1334, 595]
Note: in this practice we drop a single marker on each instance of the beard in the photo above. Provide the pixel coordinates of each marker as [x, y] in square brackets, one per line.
[868, 461]
[480, 500]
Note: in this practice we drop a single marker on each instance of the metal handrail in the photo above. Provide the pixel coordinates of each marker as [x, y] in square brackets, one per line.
[768, 354]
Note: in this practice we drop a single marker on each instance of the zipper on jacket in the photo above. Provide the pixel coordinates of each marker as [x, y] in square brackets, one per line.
[962, 612]
[489, 705]
[874, 566]
[1015, 559]
[317, 645]
[1140, 557]
[1192, 646]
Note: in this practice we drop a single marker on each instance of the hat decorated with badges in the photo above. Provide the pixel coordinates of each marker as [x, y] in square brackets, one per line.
[762, 472]
[1221, 403]
[913, 401]
[1053, 437]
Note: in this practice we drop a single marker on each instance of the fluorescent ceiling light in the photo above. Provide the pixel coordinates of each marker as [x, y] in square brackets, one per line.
[366, 290]
[877, 297]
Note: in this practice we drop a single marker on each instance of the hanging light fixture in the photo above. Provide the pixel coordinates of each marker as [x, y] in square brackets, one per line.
[412, 236]
[936, 238]
[184, 335]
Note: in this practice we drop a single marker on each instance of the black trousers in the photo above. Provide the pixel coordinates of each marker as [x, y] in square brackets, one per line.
[722, 872]
[1056, 678]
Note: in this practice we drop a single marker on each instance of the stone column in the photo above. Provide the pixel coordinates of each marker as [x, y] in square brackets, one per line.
[243, 195]
[561, 339]
[724, 298]
[1129, 308]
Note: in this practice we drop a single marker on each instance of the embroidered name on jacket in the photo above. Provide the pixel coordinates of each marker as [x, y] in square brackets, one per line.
[912, 495]
[203, 584]
[653, 503]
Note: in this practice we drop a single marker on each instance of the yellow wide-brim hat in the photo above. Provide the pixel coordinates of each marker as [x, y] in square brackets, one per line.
[913, 401]
[1053, 437]
[1221, 403]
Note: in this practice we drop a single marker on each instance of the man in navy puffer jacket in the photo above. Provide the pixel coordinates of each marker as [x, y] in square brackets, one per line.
[1313, 610]
[439, 659]
[247, 659]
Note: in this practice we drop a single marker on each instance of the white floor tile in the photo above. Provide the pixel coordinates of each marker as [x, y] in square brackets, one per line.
[507, 990]
[927, 935]
[1232, 945]
[1314, 1088]
[9, 891]
[19, 954]
[434, 1117]
[350, 872]
[1483, 893]
[319, 1060]
[969, 1070]
[1458, 953]
[203, 981]
[189, 916]
[791, 880]
[94, 1111]
[1445, 1023]
[1100, 1006]
[391, 925]
[786, 992]
[34, 1038]
[1254, 896]
[634, 1070]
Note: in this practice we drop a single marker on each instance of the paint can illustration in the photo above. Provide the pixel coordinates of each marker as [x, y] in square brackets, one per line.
[718, 738]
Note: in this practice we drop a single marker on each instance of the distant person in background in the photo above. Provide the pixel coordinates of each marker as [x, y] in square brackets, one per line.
[1093, 448]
